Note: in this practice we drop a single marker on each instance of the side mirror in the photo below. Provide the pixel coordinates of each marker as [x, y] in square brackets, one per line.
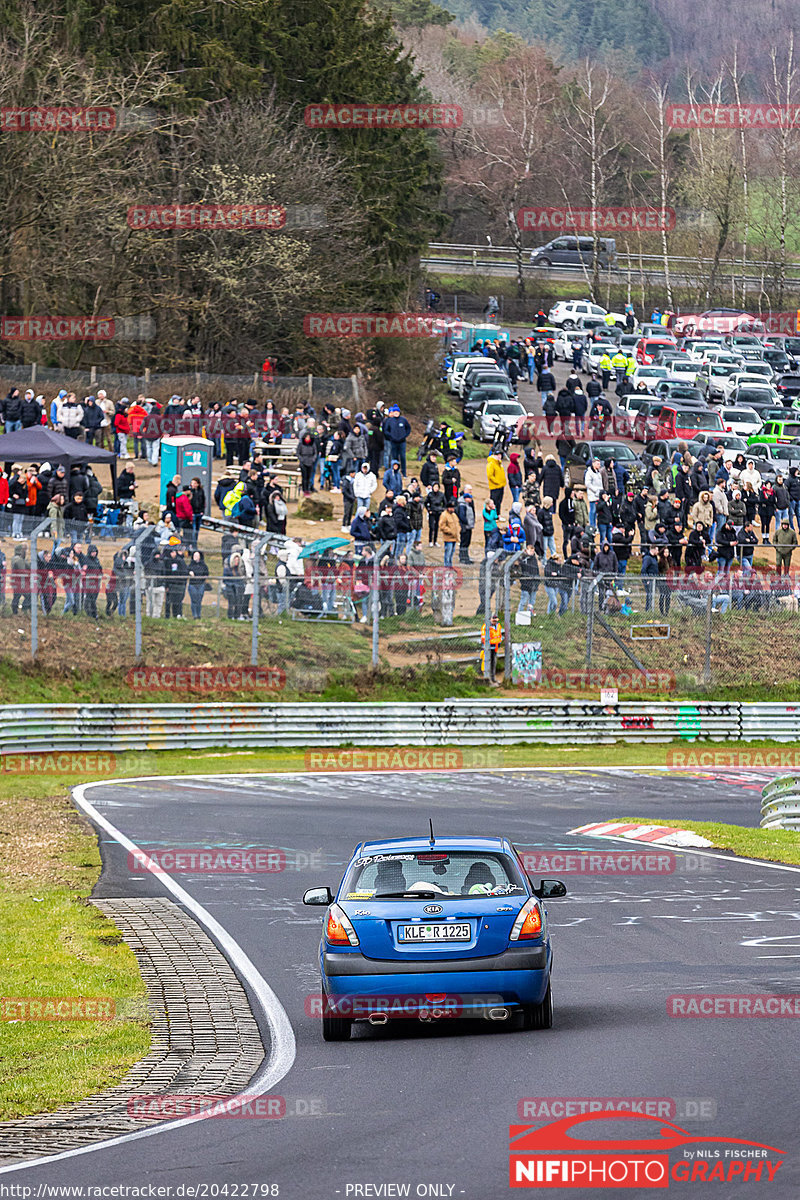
[550, 889]
[320, 896]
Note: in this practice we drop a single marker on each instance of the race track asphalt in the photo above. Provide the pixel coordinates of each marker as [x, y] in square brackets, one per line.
[431, 1105]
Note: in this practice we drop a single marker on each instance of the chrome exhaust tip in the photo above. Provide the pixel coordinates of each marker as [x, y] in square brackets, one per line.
[498, 1014]
[377, 1019]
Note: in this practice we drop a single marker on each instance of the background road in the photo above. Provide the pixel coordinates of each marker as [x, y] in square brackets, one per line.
[432, 1105]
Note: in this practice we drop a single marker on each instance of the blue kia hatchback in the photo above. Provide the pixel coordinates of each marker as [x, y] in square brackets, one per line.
[434, 928]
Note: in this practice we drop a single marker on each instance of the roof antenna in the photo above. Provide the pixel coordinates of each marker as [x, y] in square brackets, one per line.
[430, 822]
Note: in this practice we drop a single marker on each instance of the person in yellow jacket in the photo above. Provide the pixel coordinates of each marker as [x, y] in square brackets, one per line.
[630, 366]
[618, 363]
[496, 475]
[604, 366]
[495, 641]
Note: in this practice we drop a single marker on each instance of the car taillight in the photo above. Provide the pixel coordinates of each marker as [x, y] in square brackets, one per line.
[728, 429]
[528, 923]
[339, 930]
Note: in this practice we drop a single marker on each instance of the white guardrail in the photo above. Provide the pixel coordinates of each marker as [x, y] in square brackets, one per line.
[780, 803]
[40, 728]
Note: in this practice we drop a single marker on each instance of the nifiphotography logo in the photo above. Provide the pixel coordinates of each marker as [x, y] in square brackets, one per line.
[553, 1156]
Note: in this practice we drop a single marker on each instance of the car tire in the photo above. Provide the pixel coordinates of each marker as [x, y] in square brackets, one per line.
[543, 262]
[336, 1029]
[539, 1016]
[567, 325]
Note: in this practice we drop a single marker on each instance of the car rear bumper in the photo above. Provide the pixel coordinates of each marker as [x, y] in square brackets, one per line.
[470, 987]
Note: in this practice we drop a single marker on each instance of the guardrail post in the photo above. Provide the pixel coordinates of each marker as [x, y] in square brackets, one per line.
[34, 584]
[375, 597]
[590, 591]
[707, 661]
[256, 548]
[137, 589]
[507, 613]
[487, 612]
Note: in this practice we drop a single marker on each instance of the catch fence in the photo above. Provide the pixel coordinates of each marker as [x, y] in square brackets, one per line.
[126, 597]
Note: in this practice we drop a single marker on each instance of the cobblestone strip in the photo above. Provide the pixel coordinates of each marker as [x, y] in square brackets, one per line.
[204, 1037]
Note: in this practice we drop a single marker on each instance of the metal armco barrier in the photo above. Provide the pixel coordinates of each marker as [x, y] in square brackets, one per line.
[780, 803]
[773, 722]
[121, 727]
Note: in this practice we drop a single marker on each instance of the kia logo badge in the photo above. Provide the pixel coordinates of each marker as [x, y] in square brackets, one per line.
[432, 908]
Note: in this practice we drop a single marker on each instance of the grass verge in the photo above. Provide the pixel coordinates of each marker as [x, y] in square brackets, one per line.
[54, 943]
[774, 845]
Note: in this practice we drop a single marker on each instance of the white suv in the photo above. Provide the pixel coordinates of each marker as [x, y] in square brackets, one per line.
[567, 313]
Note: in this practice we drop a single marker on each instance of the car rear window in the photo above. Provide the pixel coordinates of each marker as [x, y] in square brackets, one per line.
[451, 873]
[506, 410]
[692, 418]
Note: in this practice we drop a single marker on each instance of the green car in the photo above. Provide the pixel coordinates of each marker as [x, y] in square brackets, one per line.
[777, 431]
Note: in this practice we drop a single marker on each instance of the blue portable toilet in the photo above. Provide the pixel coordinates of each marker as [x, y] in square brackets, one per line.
[188, 457]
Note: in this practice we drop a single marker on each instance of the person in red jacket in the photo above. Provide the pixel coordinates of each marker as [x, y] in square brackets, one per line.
[184, 514]
[122, 428]
[137, 415]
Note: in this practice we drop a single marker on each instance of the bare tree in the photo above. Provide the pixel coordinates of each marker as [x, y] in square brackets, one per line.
[593, 120]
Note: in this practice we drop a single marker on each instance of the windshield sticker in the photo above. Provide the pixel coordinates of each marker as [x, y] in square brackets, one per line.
[363, 894]
[379, 858]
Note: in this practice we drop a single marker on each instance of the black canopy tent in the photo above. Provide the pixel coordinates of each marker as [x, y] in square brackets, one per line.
[39, 444]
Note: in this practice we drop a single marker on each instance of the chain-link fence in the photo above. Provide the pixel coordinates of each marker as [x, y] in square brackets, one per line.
[187, 383]
[86, 599]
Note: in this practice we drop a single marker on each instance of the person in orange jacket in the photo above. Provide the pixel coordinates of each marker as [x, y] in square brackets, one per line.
[495, 641]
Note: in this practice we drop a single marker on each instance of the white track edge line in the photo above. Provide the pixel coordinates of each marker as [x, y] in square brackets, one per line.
[282, 1049]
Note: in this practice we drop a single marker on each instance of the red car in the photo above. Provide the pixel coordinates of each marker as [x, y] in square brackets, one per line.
[675, 422]
[646, 348]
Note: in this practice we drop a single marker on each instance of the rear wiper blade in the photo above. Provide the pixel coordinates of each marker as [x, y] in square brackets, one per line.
[400, 895]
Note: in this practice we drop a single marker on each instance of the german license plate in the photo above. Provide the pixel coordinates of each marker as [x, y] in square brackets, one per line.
[438, 932]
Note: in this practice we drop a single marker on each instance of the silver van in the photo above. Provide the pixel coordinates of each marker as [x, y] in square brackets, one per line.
[571, 251]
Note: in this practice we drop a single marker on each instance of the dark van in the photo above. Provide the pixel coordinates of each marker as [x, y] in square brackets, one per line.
[570, 251]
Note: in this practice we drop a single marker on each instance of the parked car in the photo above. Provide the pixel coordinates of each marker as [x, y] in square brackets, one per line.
[479, 396]
[682, 370]
[788, 386]
[711, 380]
[661, 332]
[645, 423]
[649, 375]
[593, 354]
[584, 452]
[755, 395]
[566, 313]
[475, 368]
[741, 379]
[677, 422]
[786, 430]
[497, 378]
[570, 251]
[495, 413]
[778, 359]
[661, 448]
[670, 389]
[456, 371]
[706, 443]
[783, 454]
[739, 419]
